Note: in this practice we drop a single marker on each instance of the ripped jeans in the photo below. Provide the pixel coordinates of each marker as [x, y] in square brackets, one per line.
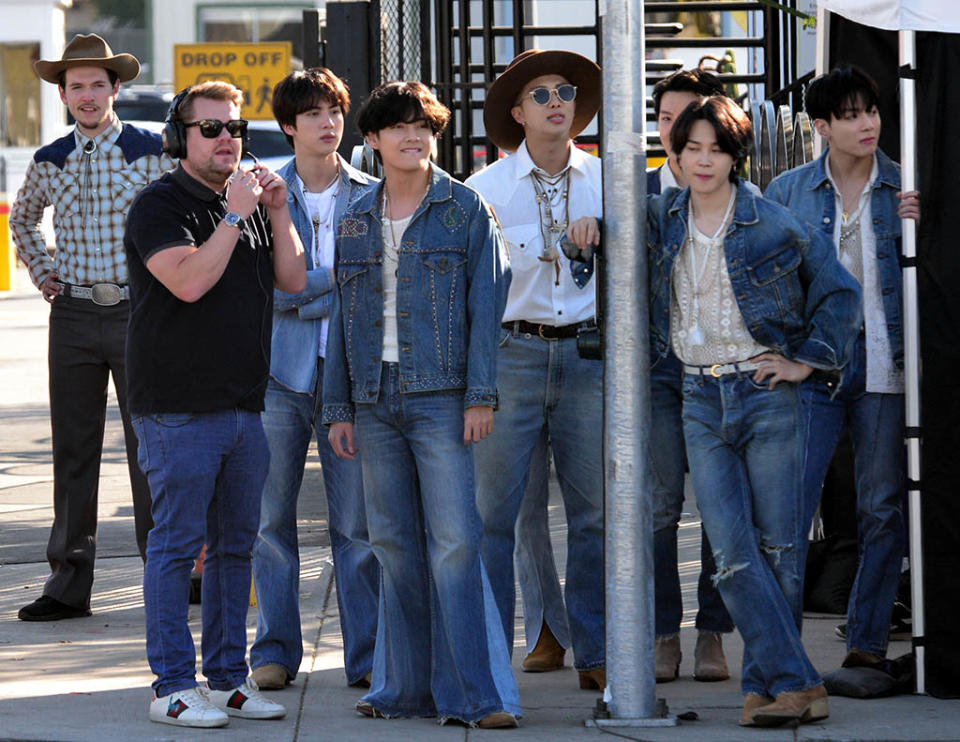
[746, 446]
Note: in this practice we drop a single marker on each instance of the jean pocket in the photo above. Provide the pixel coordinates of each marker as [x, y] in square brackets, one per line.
[172, 419]
[504, 338]
[764, 386]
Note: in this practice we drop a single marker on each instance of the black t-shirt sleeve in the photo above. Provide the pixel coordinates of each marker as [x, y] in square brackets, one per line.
[156, 221]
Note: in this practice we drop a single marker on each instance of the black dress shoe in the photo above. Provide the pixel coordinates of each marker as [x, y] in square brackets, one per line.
[46, 608]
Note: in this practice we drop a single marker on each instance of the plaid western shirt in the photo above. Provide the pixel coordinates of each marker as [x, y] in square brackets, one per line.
[90, 183]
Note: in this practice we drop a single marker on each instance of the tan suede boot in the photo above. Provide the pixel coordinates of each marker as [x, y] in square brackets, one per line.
[802, 706]
[668, 656]
[751, 702]
[271, 677]
[709, 664]
[498, 720]
[547, 655]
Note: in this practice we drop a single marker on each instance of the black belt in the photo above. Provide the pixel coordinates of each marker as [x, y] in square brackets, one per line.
[547, 332]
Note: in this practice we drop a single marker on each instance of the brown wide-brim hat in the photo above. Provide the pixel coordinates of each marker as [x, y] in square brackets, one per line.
[502, 95]
[88, 51]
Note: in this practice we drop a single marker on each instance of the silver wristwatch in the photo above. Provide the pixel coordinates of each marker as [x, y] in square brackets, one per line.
[232, 219]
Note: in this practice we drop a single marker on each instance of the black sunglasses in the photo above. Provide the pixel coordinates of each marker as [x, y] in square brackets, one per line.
[211, 128]
[565, 93]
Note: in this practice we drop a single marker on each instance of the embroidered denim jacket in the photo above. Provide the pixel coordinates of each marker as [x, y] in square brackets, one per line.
[452, 282]
[297, 318]
[794, 295]
[807, 191]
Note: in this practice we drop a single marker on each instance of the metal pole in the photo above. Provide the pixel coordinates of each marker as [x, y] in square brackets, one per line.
[630, 694]
[911, 340]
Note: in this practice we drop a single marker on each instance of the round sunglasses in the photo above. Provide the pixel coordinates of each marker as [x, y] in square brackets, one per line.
[565, 93]
[211, 128]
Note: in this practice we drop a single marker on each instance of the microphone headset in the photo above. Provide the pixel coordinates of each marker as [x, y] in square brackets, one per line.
[174, 135]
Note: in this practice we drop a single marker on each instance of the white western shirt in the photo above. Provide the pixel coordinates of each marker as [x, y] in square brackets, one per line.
[882, 374]
[537, 293]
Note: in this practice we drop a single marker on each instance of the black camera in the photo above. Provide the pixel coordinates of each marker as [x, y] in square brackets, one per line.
[589, 339]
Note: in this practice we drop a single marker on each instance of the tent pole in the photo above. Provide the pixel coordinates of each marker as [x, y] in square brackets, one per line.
[911, 341]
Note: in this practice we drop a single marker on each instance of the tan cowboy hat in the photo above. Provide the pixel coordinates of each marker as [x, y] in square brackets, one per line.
[88, 51]
[502, 95]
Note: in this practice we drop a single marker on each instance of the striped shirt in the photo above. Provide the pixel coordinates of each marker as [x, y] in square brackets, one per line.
[90, 183]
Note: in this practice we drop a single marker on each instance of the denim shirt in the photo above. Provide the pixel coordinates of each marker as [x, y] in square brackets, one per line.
[794, 296]
[807, 191]
[297, 318]
[452, 282]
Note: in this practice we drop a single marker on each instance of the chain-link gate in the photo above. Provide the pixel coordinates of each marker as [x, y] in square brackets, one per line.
[402, 37]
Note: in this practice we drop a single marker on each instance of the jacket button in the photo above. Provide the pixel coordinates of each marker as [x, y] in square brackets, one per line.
[826, 220]
[377, 289]
[377, 323]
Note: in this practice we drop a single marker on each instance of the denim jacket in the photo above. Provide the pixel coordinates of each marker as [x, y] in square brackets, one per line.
[452, 282]
[807, 191]
[297, 318]
[794, 296]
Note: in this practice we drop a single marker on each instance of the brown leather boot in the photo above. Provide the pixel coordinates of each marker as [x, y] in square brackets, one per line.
[547, 655]
[751, 702]
[709, 664]
[595, 679]
[802, 706]
[668, 656]
[859, 658]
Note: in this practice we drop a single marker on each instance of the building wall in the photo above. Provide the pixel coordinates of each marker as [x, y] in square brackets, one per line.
[39, 21]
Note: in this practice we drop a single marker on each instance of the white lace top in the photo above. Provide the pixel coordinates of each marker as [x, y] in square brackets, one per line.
[706, 326]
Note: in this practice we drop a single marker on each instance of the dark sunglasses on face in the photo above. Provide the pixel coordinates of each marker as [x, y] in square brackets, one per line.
[211, 128]
[565, 93]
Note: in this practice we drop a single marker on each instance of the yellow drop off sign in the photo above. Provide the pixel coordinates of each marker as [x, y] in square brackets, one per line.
[254, 68]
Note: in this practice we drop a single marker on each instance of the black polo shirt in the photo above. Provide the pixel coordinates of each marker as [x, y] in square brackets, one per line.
[212, 354]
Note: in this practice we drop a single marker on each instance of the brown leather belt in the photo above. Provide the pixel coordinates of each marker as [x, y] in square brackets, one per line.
[547, 332]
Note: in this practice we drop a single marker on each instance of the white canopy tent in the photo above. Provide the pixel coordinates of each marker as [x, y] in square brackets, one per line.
[905, 17]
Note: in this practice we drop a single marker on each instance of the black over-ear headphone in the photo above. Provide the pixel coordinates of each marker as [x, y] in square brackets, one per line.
[174, 132]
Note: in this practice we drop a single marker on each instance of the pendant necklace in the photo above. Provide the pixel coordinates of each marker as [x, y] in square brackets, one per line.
[394, 256]
[552, 191]
[324, 221]
[694, 333]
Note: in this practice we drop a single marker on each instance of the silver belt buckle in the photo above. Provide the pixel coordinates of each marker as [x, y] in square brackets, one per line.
[105, 294]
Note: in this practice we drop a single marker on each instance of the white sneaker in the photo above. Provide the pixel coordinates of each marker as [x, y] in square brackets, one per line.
[246, 701]
[186, 708]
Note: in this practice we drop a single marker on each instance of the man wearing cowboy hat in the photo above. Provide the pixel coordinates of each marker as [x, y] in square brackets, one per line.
[90, 177]
[533, 110]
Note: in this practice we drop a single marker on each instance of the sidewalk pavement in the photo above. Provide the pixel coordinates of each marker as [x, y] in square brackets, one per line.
[87, 680]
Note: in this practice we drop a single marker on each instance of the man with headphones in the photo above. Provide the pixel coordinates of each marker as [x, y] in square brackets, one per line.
[206, 245]
[89, 176]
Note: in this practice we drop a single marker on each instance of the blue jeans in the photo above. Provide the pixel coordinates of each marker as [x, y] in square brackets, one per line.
[440, 647]
[876, 425]
[545, 386]
[746, 445]
[290, 421]
[533, 556]
[667, 461]
[206, 473]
